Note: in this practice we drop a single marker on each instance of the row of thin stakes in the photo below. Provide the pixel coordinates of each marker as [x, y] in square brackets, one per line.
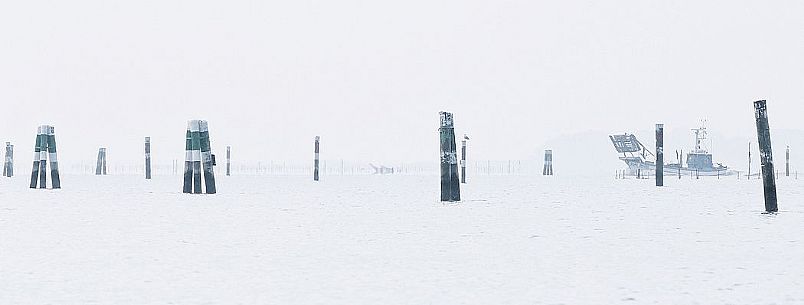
[765, 155]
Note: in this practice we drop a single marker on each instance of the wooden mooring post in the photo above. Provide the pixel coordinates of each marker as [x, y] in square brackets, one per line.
[450, 185]
[228, 160]
[100, 167]
[315, 162]
[147, 157]
[659, 154]
[8, 165]
[766, 156]
[548, 163]
[463, 158]
[787, 162]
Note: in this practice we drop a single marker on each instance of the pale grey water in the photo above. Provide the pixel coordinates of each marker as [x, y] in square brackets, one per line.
[388, 240]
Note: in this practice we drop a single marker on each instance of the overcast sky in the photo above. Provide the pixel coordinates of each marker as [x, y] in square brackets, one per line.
[369, 77]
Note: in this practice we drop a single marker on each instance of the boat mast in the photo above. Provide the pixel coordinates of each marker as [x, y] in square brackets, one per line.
[700, 137]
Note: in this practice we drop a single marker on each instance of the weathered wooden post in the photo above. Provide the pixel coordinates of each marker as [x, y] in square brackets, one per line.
[463, 158]
[659, 154]
[195, 140]
[45, 147]
[37, 159]
[8, 166]
[749, 161]
[787, 162]
[766, 155]
[315, 162]
[100, 167]
[228, 160]
[450, 186]
[189, 156]
[50, 137]
[207, 157]
[147, 157]
[548, 163]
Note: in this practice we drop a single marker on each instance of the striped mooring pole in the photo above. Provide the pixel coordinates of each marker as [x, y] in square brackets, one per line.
[45, 148]
[8, 166]
[315, 163]
[147, 157]
[228, 160]
[450, 186]
[100, 167]
[548, 163]
[766, 156]
[197, 152]
[659, 154]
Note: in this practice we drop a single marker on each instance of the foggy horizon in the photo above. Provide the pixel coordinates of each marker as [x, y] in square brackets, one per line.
[370, 78]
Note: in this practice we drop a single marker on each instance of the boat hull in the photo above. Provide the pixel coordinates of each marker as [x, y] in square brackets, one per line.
[636, 166]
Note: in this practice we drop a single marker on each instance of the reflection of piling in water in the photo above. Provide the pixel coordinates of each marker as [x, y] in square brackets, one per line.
[450, 185]
[765, 155]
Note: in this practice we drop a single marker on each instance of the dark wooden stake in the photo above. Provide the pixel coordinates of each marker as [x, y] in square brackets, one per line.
[766, 155]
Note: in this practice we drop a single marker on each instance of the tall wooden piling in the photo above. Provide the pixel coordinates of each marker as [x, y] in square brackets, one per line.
[548, 163]
[45, 147]
[659, 154]
[228, 160]
[54, 161]
[195, 140]
[188, 161]
[8, 165]
[749, 161]
[787, 162]
[100, 167]
[207, 157]
[463, 158]
[315, 163]
[147, 157]
[37, 158]
[450, 185]
[766, 155]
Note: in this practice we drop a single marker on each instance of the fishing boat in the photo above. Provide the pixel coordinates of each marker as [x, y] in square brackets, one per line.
[641, 160]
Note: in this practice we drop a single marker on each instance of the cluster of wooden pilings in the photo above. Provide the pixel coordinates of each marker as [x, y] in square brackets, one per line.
[198, 159]
[45, 149]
